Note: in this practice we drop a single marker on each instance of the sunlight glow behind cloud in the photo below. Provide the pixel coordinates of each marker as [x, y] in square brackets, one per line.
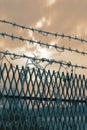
[51, 15]
[30, 33]
[43, 52]
[39, 24]
[43, 21]
[51, 2]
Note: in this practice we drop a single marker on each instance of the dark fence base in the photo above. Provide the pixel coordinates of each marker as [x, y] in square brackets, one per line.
[43, 116]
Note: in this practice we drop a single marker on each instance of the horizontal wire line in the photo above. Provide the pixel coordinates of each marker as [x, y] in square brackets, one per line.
[43, 98]
[50, 61]
[3, 34]
[46, 33]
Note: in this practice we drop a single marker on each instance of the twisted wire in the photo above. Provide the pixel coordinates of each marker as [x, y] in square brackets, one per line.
[3, 34]
[46, 33]
[50, 61]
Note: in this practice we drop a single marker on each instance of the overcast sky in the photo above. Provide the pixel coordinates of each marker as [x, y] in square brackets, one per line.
[62, 16]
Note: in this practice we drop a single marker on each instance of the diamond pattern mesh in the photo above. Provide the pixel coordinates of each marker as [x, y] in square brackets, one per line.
[35, 100]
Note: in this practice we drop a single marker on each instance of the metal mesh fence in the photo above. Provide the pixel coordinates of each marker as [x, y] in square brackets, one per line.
[33, 99]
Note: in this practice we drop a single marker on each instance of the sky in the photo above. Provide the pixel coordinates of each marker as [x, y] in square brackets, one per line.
[61, 16]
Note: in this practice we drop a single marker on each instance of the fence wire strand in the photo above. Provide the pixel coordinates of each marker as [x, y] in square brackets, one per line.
[49, 61]
[36, 98]
[45, 33]
[29, 103]
[3, 34]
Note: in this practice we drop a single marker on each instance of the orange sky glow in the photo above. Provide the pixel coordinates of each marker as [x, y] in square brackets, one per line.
[62, 16]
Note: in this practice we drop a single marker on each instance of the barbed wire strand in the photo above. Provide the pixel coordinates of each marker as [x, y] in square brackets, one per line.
[3, 34]
[50, 61]
[12, 57]
[46, 33]
[35, 61]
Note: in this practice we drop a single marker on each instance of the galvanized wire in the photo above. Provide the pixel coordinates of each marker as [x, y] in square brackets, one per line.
[49, 61]
[30, 103]
[62, 48]
[45, 33]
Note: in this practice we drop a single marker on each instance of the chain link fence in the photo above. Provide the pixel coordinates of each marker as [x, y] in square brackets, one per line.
[33, 99]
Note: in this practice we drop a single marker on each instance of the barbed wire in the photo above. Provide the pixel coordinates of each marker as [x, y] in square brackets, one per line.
[37, 68]
[35, 61]
[3, 34]
[49, 61]
[45, 33]
[24, 70]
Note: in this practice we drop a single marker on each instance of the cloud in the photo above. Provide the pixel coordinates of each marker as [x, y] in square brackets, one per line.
[43, 22]
[51, 2]
[60, 16]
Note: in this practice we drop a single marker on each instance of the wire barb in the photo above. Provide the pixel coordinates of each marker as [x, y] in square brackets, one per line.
[62, 48]
[49, 61]
[45, 33]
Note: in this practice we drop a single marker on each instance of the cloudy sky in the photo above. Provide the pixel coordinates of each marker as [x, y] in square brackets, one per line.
[62, 16]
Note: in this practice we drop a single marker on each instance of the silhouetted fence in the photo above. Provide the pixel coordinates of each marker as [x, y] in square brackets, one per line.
[34, 99]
